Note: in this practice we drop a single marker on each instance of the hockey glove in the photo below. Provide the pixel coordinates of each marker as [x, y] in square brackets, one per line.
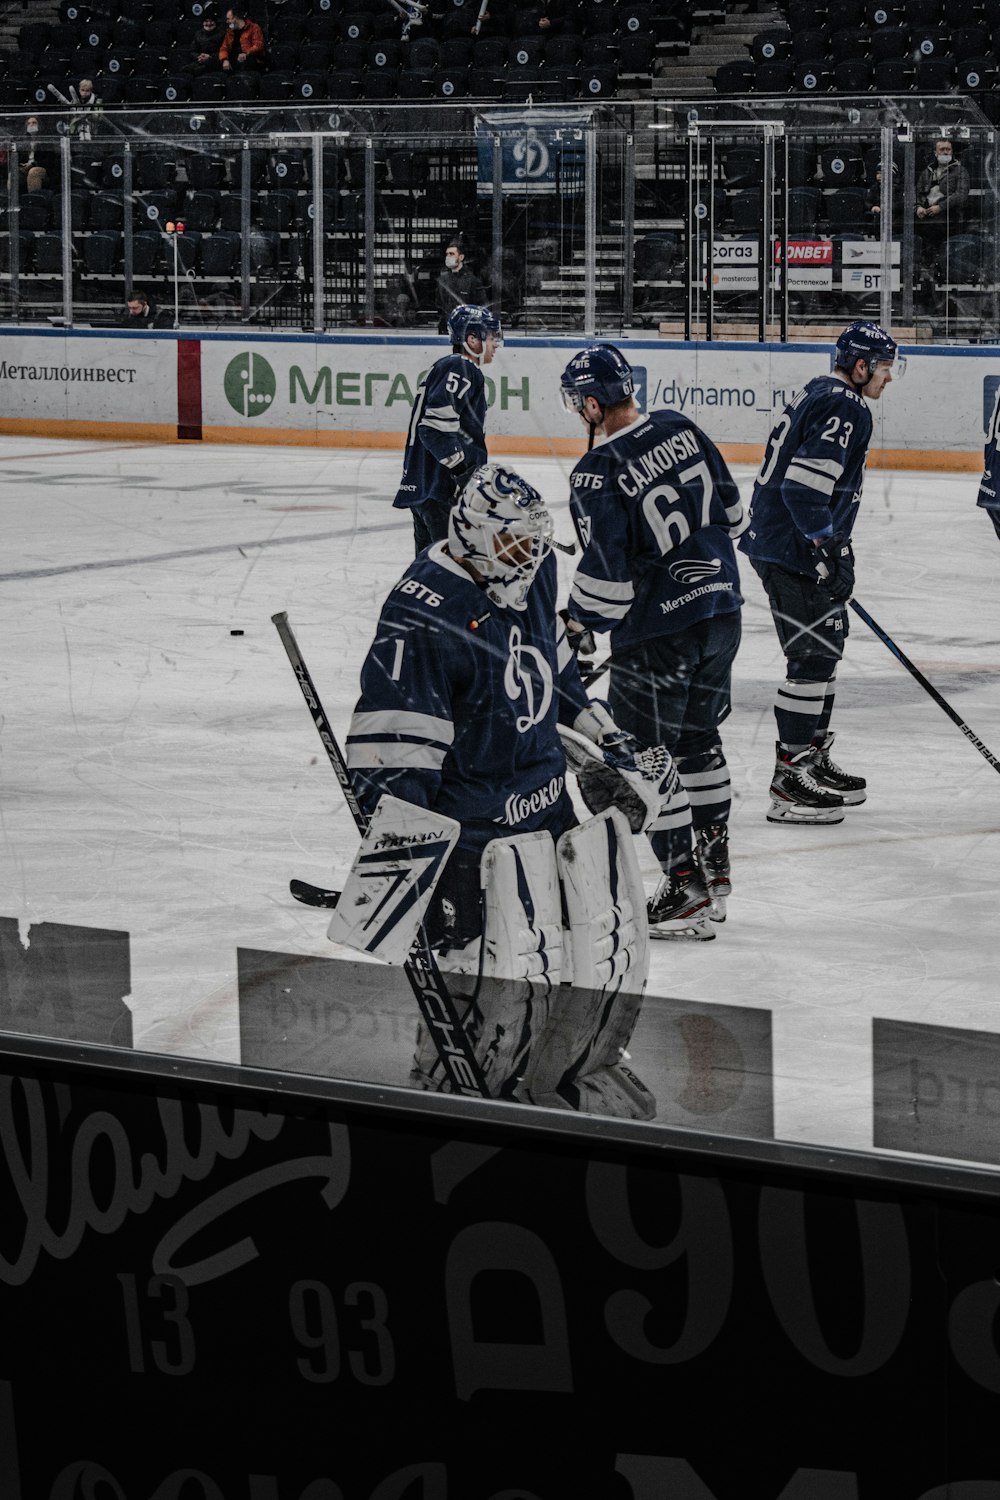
[580, 642]
[638, 781]
[835, 566]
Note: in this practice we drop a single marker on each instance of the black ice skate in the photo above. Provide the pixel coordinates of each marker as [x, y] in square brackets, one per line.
[712, 853]
[796, 797]
[829, 775]
[681, 908]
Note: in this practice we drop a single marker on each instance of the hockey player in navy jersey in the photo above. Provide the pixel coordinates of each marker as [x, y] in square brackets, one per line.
[655, 509]
[989, 485]
[467, 694]
[804, 505]
[446, 441]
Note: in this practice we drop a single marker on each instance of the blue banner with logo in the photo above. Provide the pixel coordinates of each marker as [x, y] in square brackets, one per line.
[540, 153]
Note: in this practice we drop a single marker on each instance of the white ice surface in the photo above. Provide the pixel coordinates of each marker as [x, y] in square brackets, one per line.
[162, 776]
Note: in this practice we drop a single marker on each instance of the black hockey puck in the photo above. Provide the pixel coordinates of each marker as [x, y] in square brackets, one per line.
[236, 632]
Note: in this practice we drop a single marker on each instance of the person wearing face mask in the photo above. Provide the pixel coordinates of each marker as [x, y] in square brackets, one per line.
[203, 48]
[942, 193]
[457, 285]
[36, 165]
[243, 43]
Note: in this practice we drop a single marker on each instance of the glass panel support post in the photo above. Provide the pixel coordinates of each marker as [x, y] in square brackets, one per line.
[67, 243]
[590, 232]
[318, 232]
[369, 231]
[14, 237]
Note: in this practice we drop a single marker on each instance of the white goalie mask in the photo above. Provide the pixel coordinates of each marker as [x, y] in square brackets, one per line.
[500, 525]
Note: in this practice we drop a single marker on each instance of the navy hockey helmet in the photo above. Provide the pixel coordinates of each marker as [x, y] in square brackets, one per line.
[501, 526]
[470, 318]
[601, 371]
[870, 342]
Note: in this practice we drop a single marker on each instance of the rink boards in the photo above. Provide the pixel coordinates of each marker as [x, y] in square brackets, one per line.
[267, 1288]
[356, 391]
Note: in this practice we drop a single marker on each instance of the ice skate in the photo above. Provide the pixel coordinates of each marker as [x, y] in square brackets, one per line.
[681, 908]
[796, 797]
[712, 853]
[829, 775]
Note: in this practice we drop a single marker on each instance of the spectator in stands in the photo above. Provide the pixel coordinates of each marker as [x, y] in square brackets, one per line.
[396, 307]
[456, 284]
[942, 193]
[544, 17]
[243, 44]
[873, 201]
[86, 110]
[139, 312]
[36, 164]
[203, 49]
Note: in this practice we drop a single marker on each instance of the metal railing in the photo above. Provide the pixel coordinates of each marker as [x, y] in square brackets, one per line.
[759, 218]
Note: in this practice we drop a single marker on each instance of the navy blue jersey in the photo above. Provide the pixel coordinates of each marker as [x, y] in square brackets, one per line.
[655, 509]
[447, 432]
[460, 700]
[989, 485]
[810, 482]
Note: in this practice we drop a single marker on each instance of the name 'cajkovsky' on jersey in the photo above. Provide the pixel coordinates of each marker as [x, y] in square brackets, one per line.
[662, 558]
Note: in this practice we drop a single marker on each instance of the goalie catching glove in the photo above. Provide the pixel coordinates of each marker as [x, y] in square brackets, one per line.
[613, 770]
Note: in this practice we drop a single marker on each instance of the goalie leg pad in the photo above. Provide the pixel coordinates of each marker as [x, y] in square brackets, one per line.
[608, 1091]
[521, 962]
[591, 1023]
[392, 879]
[605, 904]
[523, 937]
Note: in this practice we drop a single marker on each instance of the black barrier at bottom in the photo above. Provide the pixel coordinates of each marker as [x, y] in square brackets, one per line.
[224, 1284]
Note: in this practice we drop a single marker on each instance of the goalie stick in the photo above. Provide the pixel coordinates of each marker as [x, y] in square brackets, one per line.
[928, 687]
[426, 980]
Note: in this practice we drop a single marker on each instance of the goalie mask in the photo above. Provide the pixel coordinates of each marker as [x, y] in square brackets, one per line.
[500, 525]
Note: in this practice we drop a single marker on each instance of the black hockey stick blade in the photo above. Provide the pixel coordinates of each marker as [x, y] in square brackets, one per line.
[928, 687]
[313, 895]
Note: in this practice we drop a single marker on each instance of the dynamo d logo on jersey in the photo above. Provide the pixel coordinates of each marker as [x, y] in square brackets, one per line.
[694, 569]
[527, 676]
[249, 384]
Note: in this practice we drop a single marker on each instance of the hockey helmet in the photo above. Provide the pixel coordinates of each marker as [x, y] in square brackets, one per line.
[870, 342]
[470, 318]
[500, 525]
[601, 371]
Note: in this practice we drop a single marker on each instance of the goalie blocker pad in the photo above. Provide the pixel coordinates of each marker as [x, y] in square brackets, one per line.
[387, 893]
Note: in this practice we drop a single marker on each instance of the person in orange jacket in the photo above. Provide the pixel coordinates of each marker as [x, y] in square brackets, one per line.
[243, 38]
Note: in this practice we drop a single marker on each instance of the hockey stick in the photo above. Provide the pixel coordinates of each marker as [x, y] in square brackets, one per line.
[314, 895]
[928, 687]
[426, 980]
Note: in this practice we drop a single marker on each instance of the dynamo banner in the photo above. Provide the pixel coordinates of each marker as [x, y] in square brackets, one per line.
[540, 153]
